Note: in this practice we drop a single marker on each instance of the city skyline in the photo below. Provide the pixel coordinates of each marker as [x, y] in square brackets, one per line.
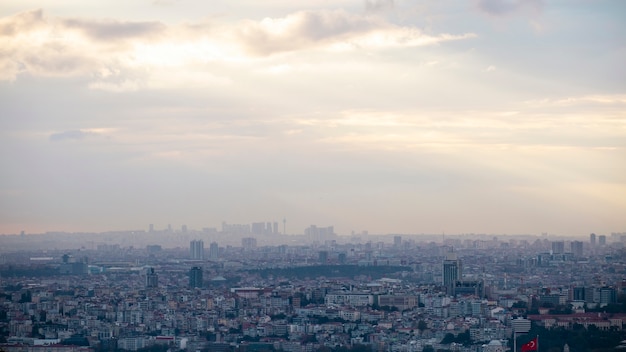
[485, 116]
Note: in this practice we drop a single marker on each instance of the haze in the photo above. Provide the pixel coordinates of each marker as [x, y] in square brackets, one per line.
[388, 116]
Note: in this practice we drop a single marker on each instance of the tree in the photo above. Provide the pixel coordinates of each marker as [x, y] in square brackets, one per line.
[448, 339]
[421, 326]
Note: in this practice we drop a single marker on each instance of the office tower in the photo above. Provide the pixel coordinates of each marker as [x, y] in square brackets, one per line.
[258, 228]
[452, 272]
[558, 247]
[608, 295]
[602, 240]
[183, 229]
[214, 251]
[397, 241]
[592, 239]
[195, 277]
[577, 248]
[248, 243]
[323, 257]
[319, 234]
[152, 278]
[275, 229]
[196, 249]
[151, 228]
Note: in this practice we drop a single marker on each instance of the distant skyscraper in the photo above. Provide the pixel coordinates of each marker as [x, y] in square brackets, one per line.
[184, 229]
[577, 248]
[323, 257]
[602, 240]
[214, 251]
[592, 239]
[248, 243]
[452, 272]
[196, 249]
[152, 278]
[151, 228]
[558, 247]
[319, 234]
[195, 277]
[258, 228]
[397, 241]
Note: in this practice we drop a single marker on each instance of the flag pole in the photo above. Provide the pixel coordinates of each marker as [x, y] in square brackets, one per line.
[514, 342]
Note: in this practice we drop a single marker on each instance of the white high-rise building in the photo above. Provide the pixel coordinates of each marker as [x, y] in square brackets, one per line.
[196, 249]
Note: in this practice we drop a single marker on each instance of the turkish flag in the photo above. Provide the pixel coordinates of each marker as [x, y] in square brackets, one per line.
[530, 345]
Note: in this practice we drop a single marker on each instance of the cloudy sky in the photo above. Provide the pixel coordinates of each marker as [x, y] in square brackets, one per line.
[392, 116]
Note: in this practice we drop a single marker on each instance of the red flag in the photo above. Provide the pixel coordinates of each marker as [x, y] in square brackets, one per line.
[530, 345]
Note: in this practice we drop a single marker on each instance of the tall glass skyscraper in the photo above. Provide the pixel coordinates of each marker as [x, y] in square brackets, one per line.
[452, 272]
[195, 277]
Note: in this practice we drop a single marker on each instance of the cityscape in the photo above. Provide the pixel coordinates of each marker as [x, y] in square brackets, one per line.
[313, 176]
[249, 287]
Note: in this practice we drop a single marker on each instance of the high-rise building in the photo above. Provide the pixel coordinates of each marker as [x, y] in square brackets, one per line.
[397, 241]
[248, 243]
[214, 251]
[452, 272]
[608, 295]
[602, 240]
[258, 228]
[577, 248]
[196, 249]
[558, 247]
[151, 228]
[319, 234]
[323, 257]
[195, 277]
[275, 228]
[592, 239]
[152, 278]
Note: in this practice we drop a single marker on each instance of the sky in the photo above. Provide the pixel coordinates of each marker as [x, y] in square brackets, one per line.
[387, 116]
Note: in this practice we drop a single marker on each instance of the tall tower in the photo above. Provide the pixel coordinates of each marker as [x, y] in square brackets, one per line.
[284, 226]
[196, 249]
[452, 272]
[214, 251]
[195, 277]
[152, 278]
[592, 239]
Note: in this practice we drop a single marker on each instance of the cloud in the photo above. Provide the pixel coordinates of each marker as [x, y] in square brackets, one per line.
[21, 22]
[508, 7]
[114, 30]
[133, 55]
[312, 29]
[71, 135]
[379, 5]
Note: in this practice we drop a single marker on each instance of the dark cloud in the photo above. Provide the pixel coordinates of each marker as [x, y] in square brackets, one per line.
[112, 30]
[507, 7]
[70, 135]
